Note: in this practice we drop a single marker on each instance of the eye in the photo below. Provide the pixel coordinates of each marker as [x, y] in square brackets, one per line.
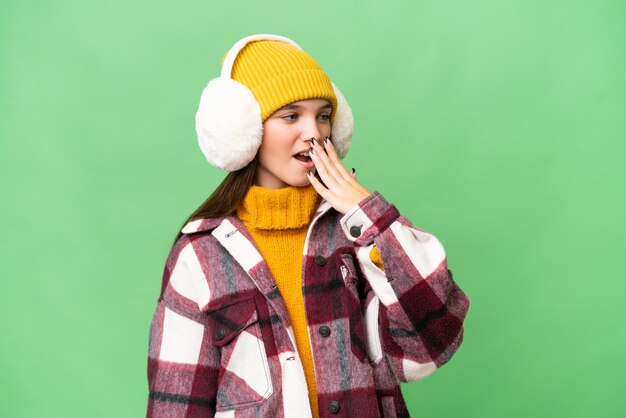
[324, 116]
[289, 117]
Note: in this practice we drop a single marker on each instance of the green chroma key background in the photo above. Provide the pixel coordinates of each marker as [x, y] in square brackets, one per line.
[496, 125]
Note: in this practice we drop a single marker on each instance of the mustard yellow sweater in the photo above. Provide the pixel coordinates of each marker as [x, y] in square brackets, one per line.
[278, 221]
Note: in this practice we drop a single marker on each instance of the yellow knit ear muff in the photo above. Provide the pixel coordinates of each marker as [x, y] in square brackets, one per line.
[229, 123]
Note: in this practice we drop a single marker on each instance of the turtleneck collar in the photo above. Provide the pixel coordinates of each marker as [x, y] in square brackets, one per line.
[289, 207]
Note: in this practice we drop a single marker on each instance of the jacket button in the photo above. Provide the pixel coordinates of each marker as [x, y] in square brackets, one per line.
[334, 407]
[220, 333]
[324, 331]
[355, 231]
[320, 260]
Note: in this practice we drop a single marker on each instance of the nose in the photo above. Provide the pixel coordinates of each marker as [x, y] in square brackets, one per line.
[310, 130]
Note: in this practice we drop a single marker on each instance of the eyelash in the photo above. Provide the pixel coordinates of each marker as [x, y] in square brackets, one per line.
[286, 117]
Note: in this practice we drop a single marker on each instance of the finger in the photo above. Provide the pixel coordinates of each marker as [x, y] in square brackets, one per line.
[323, 191]
[334, 165]
[323, 166]
[334, 158]
[347, 179]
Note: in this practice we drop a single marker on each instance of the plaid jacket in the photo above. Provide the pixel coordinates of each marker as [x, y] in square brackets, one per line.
[221, 343]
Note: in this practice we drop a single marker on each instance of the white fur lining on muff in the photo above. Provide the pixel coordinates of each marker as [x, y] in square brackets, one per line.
[228, 124]
[343, 125]
[230, 129]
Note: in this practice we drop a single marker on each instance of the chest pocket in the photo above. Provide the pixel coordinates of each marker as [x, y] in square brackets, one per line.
[355, 310]
[244, 378]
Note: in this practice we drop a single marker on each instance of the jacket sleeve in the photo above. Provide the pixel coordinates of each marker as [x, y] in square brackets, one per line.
[414, 312]
[182, 366]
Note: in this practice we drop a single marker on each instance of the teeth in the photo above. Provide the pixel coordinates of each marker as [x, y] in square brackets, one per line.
[304, 154]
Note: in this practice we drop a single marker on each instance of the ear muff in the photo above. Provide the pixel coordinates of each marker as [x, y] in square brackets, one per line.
[228, 120]
[343, 126]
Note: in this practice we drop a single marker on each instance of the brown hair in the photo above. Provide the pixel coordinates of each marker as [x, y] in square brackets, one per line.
[227, 196]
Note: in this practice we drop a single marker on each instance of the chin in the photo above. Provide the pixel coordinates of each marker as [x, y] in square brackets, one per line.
[299, 182]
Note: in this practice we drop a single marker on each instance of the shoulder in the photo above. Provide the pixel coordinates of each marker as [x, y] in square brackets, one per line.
[201, 225]
[195, 233]
[195, 246]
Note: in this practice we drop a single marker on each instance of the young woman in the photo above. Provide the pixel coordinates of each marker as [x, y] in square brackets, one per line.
[294, 291]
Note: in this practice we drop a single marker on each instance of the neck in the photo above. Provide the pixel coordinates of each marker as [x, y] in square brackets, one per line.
[286, 208]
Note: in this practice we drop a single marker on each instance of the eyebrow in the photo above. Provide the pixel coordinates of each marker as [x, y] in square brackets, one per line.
[295, 106]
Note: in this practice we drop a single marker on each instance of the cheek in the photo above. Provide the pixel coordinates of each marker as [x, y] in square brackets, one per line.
[277, 143]
[326, 129]
[271, 152]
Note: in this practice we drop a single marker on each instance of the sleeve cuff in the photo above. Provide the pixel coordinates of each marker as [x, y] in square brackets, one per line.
[368, 218]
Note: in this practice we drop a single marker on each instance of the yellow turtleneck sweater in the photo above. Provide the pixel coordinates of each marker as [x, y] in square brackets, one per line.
[278, 221]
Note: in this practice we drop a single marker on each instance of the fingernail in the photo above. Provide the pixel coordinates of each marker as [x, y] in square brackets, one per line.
[311, 150]
[326, 140]
[353, 170]
[308, 172]
[313, 141]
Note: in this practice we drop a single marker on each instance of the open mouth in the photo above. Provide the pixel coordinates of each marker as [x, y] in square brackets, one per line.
[304, 157]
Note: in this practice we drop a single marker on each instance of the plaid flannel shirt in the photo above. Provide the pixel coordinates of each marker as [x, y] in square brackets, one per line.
[221, 342]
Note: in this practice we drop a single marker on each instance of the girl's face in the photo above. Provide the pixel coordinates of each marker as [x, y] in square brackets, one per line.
[287, 133]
